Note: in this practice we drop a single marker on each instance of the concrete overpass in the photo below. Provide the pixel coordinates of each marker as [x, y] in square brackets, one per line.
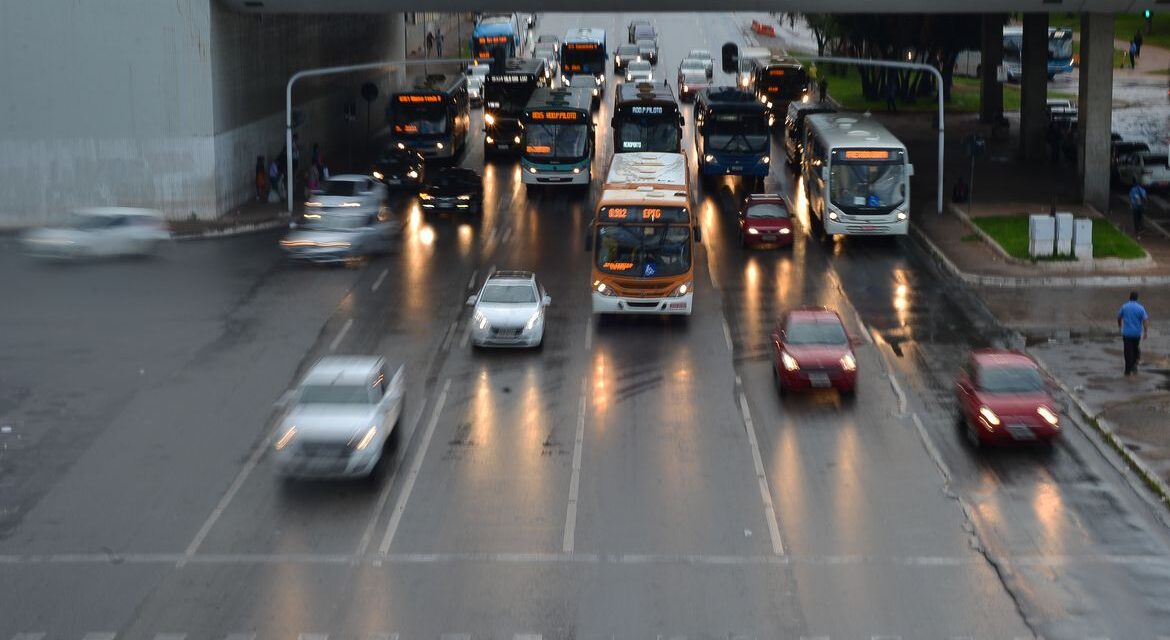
[167, 105]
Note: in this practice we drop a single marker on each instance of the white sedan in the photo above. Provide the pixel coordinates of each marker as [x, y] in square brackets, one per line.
[639, 71]
[341, 418]
[100, 232]
[705, 56]
[509, 311]
[347, 193]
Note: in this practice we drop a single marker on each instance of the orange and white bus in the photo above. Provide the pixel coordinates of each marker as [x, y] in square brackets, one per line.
[643, 237]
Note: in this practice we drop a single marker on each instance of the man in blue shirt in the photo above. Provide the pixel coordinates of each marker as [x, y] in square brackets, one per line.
[1134, 323]
[1137, 205]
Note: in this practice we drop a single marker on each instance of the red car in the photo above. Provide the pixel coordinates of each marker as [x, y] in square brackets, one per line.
[1003, 398]
[812, 350]
[765, 220]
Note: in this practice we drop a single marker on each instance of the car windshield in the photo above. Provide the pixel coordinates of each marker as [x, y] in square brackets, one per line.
[645, 44]
[867, 188]
[640, 66]
[83, 221]
[508, 294]
[628, 50]
[340, 188]
[816, 332]
[693, 66]
[644, 250]
[335, 394]
[648, 132]
[767, 210]
[1016, 379]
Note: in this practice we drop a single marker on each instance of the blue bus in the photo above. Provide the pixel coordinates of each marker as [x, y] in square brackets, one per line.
[583, 52]
[496, 37]
[431, 115]
[731, 133]
[1060, 51]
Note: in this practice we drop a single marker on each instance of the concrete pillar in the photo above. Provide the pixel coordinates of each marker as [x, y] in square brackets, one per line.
[1095, 118]
[1034, 87]
[990, 89]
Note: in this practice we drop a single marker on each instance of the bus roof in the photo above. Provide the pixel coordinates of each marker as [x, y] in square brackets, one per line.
[585, 34]
[493, 27]
[777, 60]
[644, 196]
[521, 67]
[754, 52]
[729, 97]
[571, 99]
[434, 83]
[851, 130]
[645, 92]
[644, 168]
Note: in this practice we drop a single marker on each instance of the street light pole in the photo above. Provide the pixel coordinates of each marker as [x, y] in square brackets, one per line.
[915, 66]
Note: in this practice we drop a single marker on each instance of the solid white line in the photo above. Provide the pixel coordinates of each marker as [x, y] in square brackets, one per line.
[381, 277]
[99, 635]
[450, 334]
[471, 280]
[931, 449]
[368, 534]
[761, 478]
[249, 465]
[589, 334]
[897, 390]
[466, 339]
[575, 479]
[341, 335]
[727, 334]
[407, 488]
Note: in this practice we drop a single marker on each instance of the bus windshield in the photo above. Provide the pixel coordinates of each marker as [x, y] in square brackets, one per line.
[1060, 45]
[420, 119]
[582, 58]
[860, 187]
[643, 251]
[742, 132]
[555, 141]
[657, 132]
[787, 84]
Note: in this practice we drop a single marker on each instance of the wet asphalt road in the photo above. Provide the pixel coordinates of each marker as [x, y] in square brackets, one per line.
[137, 496]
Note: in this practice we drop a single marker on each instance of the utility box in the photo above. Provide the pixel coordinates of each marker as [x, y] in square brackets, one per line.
[1064, 234]
[1041, 235]
[1083, 239]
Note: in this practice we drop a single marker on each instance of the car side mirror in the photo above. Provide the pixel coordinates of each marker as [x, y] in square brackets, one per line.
[546, 300]
[698, 234]
[471, 300]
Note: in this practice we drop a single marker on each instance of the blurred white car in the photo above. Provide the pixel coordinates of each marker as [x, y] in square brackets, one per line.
[705, 56]
[340, 418]
[509, 311]
[351, 193]
[100, 232]
[339, 237]
[476, 73]
[639, 71]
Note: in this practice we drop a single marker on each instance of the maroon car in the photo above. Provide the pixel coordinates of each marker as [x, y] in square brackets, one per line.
[1004, 398]
[811, 350]
[764, 220]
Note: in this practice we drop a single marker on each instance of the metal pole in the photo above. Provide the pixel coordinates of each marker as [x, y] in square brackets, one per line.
[939, 83]
[326, 71]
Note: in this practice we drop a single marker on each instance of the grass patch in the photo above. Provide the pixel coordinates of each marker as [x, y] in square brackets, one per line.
[1011, 233]
[845, 88]
[1125, 25]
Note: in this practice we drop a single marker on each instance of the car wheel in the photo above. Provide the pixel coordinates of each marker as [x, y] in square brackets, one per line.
[848, 395]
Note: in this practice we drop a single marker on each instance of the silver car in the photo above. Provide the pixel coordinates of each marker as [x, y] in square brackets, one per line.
[639, 71]
[343, 222]
[509, 311]
[100, 232]
[339, 419]
[705, 56]
[476, 73]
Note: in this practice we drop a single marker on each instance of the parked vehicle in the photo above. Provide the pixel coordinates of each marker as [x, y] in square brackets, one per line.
[1146, 168]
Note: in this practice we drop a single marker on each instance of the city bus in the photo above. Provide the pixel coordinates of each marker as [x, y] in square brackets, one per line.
[646, 117]
[558, 139]
[643, 236]
[505, 96]
[431, 116]
[856, 176]
[496, 38]
[583, 51]
[778, 81]
[731, 133]
[1060, 54]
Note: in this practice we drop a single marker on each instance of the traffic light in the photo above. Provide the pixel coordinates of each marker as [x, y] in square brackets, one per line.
[1147, 14]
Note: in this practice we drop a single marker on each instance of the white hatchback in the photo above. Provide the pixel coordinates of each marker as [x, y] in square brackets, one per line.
[509, 311]
[100, 232]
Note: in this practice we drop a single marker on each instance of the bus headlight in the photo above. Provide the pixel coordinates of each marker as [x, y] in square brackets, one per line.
[709, 158]
[601, 79]
[595, 92]
[600, 287]
[682, 289]
[576, 169]
[901, 216]
[769, 105]
[531, 169]
[617, 60]
[767, 159]
[401, 146]
[438, 145]
[490, 140]
[516, 139]
[833, 215]
[763, 100]
[489, 118]
[412, 174]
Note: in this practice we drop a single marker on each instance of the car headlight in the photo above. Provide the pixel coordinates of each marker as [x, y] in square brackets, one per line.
[789, 362]
[848, 363]
[601, 79]
[480, 320]
[464, 197]
[709, 158]
[595, 92]
[401, 146]
[600, 287]
[312, 204]
[532, 321]
[412, 173]
[763, 100]
[682, 289]
[438, 145]
[753, 231]
[989, 417]
[490, 140]
[285, 438]
[425, 196]
[686, 88]
[628, 77]
[378, 175]
[489, 118]
[617, 59]
[785, 232]
[769, 105]
[1049, 416]
[516, 139]
[367, 438]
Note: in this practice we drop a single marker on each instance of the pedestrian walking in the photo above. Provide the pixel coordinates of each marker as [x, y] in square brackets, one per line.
[1137, 39]
[261, 178]
[439, 42]
[1132, 54]
[1134, 323]
[891, 94]
[314, 179]
[1137, 204]
[824, 88]
[430, 43]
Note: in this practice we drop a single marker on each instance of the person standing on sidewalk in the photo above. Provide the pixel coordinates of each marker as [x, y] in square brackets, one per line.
[1137, 39]
[1133, 48]
[1134, 323]
[1137, 204]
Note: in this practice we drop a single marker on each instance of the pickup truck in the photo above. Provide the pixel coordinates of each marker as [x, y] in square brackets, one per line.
[1146, 168]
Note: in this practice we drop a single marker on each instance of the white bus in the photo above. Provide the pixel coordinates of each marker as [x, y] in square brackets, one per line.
[856, 176]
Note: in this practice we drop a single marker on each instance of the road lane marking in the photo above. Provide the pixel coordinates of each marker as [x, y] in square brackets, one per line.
[589, 334]
[450, 335]
[240, 636]
[761, 477]
[378, 282]
[312, 636]
[507, 234]
[341, 334]
[99, 635]
[931, 449]
[575, 479]
[249, 465]
[407, 488]
[466, 339]
[400, 455]
[471, 280]
[727, 334]
[897, 391]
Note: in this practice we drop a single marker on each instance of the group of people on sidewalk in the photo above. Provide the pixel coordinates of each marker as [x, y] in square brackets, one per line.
[270, 176]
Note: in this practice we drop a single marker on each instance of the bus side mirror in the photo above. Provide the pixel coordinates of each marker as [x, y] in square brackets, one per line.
[682, 122]
[698, 234]
[909, 170]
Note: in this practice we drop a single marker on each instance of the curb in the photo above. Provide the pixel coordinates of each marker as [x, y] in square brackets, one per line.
[237, 230]
[1148, 476]
[1015, 282]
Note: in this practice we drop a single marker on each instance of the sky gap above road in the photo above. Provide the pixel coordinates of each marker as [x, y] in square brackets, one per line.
[808, 6]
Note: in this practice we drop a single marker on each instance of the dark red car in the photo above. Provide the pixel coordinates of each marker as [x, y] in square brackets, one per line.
[1004, 398]
[764, 220]
[812, 350]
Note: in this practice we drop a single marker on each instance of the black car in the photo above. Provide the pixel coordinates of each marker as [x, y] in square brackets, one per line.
[400, 168]
[625, 54]
[452, 189]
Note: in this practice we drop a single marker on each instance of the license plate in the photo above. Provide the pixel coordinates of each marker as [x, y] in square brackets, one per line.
[502, 146]
[678, 305]
[818, 380]
[737, 167]
[1021, 432]
[768, 237]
